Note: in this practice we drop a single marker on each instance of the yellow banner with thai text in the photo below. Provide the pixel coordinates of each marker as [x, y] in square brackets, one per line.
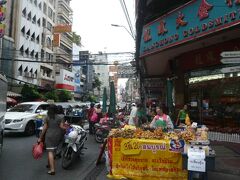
[144, 159]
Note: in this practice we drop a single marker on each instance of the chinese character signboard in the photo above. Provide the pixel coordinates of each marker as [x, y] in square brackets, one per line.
[188, 22]
[2, 17]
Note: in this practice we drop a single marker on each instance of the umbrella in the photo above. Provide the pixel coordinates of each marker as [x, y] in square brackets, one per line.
[11, 100]
[112, 105]
[104, 100]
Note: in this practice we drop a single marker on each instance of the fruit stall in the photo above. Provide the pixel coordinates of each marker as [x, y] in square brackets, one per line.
[140, 153]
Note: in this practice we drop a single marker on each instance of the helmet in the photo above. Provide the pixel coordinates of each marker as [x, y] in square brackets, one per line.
[73, 134]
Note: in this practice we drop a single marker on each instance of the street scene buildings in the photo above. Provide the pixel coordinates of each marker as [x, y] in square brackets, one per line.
[166, 108]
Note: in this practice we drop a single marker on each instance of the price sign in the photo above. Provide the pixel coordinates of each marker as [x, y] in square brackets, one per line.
[197, 165]
[196, 153]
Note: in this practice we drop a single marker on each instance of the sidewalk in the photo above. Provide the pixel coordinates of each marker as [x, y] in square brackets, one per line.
[227, 164]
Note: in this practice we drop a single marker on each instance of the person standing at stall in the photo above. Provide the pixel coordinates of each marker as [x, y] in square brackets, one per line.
[141, 115]
[182, 115]
[161, 120]
[99, 112]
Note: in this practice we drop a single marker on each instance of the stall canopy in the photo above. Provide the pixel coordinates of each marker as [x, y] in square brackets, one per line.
[11, 100]
[112, 105]
[13, 94]
[104, 105]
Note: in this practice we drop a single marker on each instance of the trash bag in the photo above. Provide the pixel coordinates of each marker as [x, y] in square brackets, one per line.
[37, 150]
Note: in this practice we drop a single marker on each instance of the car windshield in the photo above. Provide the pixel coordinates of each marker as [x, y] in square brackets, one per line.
[22, 108]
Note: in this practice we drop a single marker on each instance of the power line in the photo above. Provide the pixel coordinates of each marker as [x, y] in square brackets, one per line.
[76, 62]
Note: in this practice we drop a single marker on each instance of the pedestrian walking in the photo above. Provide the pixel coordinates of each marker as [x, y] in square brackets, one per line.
[91, 118]
[52, 130]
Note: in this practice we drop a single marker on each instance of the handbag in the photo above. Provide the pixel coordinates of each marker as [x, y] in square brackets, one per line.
[37, 150]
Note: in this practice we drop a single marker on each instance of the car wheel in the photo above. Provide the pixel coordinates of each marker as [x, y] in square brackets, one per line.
[30, 128]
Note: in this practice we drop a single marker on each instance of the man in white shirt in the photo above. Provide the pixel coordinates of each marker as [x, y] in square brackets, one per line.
[133, 115]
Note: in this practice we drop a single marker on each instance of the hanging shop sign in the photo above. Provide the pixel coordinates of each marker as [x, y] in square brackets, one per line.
[230, 54]
[126, 71]
[56, 40]
[65, 80]
[230, 69]
[230, 60]
[195, 19]
[62, 28]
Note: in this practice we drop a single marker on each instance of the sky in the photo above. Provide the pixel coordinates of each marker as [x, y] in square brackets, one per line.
[92, 20]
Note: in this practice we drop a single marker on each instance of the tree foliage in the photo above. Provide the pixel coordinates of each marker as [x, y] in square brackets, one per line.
[30, 93]
[76, 39]
[52, 95]
[97, 83]
[64, 95]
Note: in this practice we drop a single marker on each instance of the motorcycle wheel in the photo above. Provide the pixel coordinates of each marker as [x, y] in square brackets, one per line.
[98, 138]
[68, 157]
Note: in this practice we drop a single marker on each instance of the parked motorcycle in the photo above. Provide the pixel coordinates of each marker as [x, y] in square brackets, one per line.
[75, 138]
[102, 129]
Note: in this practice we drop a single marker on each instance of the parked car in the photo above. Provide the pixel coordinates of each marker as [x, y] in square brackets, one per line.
[22, 117]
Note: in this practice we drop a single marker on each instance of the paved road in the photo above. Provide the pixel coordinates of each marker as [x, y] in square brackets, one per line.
[17, 163]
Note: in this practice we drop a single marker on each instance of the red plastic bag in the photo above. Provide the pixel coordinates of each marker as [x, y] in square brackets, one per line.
[37, 150]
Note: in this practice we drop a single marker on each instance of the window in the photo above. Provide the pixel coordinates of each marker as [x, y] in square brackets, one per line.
[48, 57]
[50, 13]
[29, 16]
[35, 2]
[49, 26]
[27, 51]
[39, 22]
[42, 53]
[49, 42]
[33, 37]
[23, 31]
[34, 19]
[45, 8]
[24, 12]
[36, 55]
[32, 53]
[43, 22]
[40, 6]
[37, 39]
[22, 50]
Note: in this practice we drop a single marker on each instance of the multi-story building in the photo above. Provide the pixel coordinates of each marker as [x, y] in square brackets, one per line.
[33, 39]
[64, 50]
[79, 77]
[7, 46]
[101, 71]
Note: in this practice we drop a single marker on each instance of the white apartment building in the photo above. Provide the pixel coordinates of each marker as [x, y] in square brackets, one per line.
[101, 71]
[33, 39]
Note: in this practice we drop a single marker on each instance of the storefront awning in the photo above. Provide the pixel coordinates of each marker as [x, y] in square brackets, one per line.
[13, 94]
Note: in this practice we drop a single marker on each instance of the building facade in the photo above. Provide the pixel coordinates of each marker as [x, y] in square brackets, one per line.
[186, 52]
[102, 72]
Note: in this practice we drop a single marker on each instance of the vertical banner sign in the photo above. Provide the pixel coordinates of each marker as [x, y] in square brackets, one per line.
[56, 40]
[2, 17]
[144, 159]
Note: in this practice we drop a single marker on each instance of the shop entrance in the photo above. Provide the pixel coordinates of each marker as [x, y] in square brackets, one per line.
[216, 102]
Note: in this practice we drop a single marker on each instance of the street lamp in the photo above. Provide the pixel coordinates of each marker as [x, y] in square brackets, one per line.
[116, 25]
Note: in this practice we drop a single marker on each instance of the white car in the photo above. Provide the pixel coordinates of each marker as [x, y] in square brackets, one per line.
[21, 118]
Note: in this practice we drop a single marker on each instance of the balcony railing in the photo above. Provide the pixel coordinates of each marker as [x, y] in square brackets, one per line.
[65, 4]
